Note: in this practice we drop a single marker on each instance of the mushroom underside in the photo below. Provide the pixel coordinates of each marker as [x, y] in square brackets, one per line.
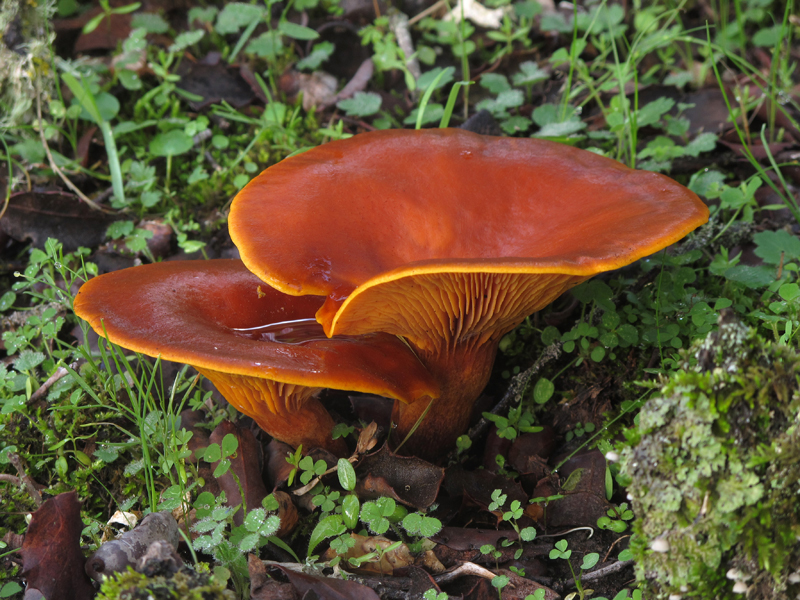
[454, 322]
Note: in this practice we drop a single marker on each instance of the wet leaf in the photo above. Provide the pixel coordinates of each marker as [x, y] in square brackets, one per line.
[37, 216]
[328, 587]
[52, 560]
[409, 480]
[245, 465]
[379, 555]
[347, 474]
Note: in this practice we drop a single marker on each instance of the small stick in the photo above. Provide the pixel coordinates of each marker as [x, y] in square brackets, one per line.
[467, 568]
[15, 460]
[624, 537]
[60, 372]
[52, 161]
[10, 479]
[428, 11]
[612, 568]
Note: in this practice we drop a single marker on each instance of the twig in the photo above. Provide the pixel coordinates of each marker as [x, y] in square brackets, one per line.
[399, 24]
[467, 568]
[617, 541]
[563, 533]
[52, 161]
[60, 372]
[15, 460]
[612, 568]
[10, 479]
[513, 393]
[428, 11]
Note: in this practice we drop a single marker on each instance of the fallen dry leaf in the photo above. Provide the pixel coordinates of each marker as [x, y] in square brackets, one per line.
[246, 465]
[287, 513]
[52, 561]
[521, 587]
[328, 588]
[278, 469]
[214, 81]
[584, 489]
[462, 538]
[384, 564]
[407, 479]
[263, 587]
[36, 216]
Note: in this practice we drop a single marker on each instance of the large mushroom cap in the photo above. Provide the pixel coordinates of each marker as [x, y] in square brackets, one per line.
[386, 203]
[220, 318]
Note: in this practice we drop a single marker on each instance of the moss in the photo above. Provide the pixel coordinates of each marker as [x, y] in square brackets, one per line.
[186, 584]
[714, 468]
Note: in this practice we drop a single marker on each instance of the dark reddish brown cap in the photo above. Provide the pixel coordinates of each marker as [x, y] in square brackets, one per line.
[391, 214]
[210, 314]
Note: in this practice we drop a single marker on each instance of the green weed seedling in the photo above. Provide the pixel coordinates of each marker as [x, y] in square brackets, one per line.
[228, 543]
[616, 519]
[589, 561]
[519, 420]
[510, 516]
[579, 430]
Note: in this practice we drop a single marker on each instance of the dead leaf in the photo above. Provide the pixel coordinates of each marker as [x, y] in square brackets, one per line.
[246, 465]
[462, 538]
[117, 555]
[262, 587]
[519, 588]
[214, 81]
[529, 453]
[478, 486]
[358, 83]
[383, 564]
[584, 488]
[277, 468]
[191, 420]
[287, 513]
[367, 438]
[421, 582]
[52, 561]
[407, 479]
[319, 89]
[328, 588]
[373, 408]
[36, 216]
[430, 562]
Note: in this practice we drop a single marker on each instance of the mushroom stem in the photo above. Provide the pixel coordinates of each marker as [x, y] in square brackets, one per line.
[289, 413]
[462, 372]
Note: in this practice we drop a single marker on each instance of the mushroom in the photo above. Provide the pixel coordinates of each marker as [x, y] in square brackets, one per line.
[262, 349]
[449, 239]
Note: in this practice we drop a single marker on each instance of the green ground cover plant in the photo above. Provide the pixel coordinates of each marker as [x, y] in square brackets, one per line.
[683, 363]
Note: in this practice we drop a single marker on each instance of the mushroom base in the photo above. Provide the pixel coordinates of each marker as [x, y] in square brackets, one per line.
[289, 413]
[462, 372]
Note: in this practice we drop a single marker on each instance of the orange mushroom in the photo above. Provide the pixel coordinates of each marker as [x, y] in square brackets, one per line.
[262, 349]
[449, 239]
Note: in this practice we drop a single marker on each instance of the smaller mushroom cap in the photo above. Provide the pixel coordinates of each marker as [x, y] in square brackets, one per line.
[220, 318]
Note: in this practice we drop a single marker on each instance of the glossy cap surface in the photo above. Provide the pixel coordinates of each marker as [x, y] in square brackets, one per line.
[374, 213]
[211, 314]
